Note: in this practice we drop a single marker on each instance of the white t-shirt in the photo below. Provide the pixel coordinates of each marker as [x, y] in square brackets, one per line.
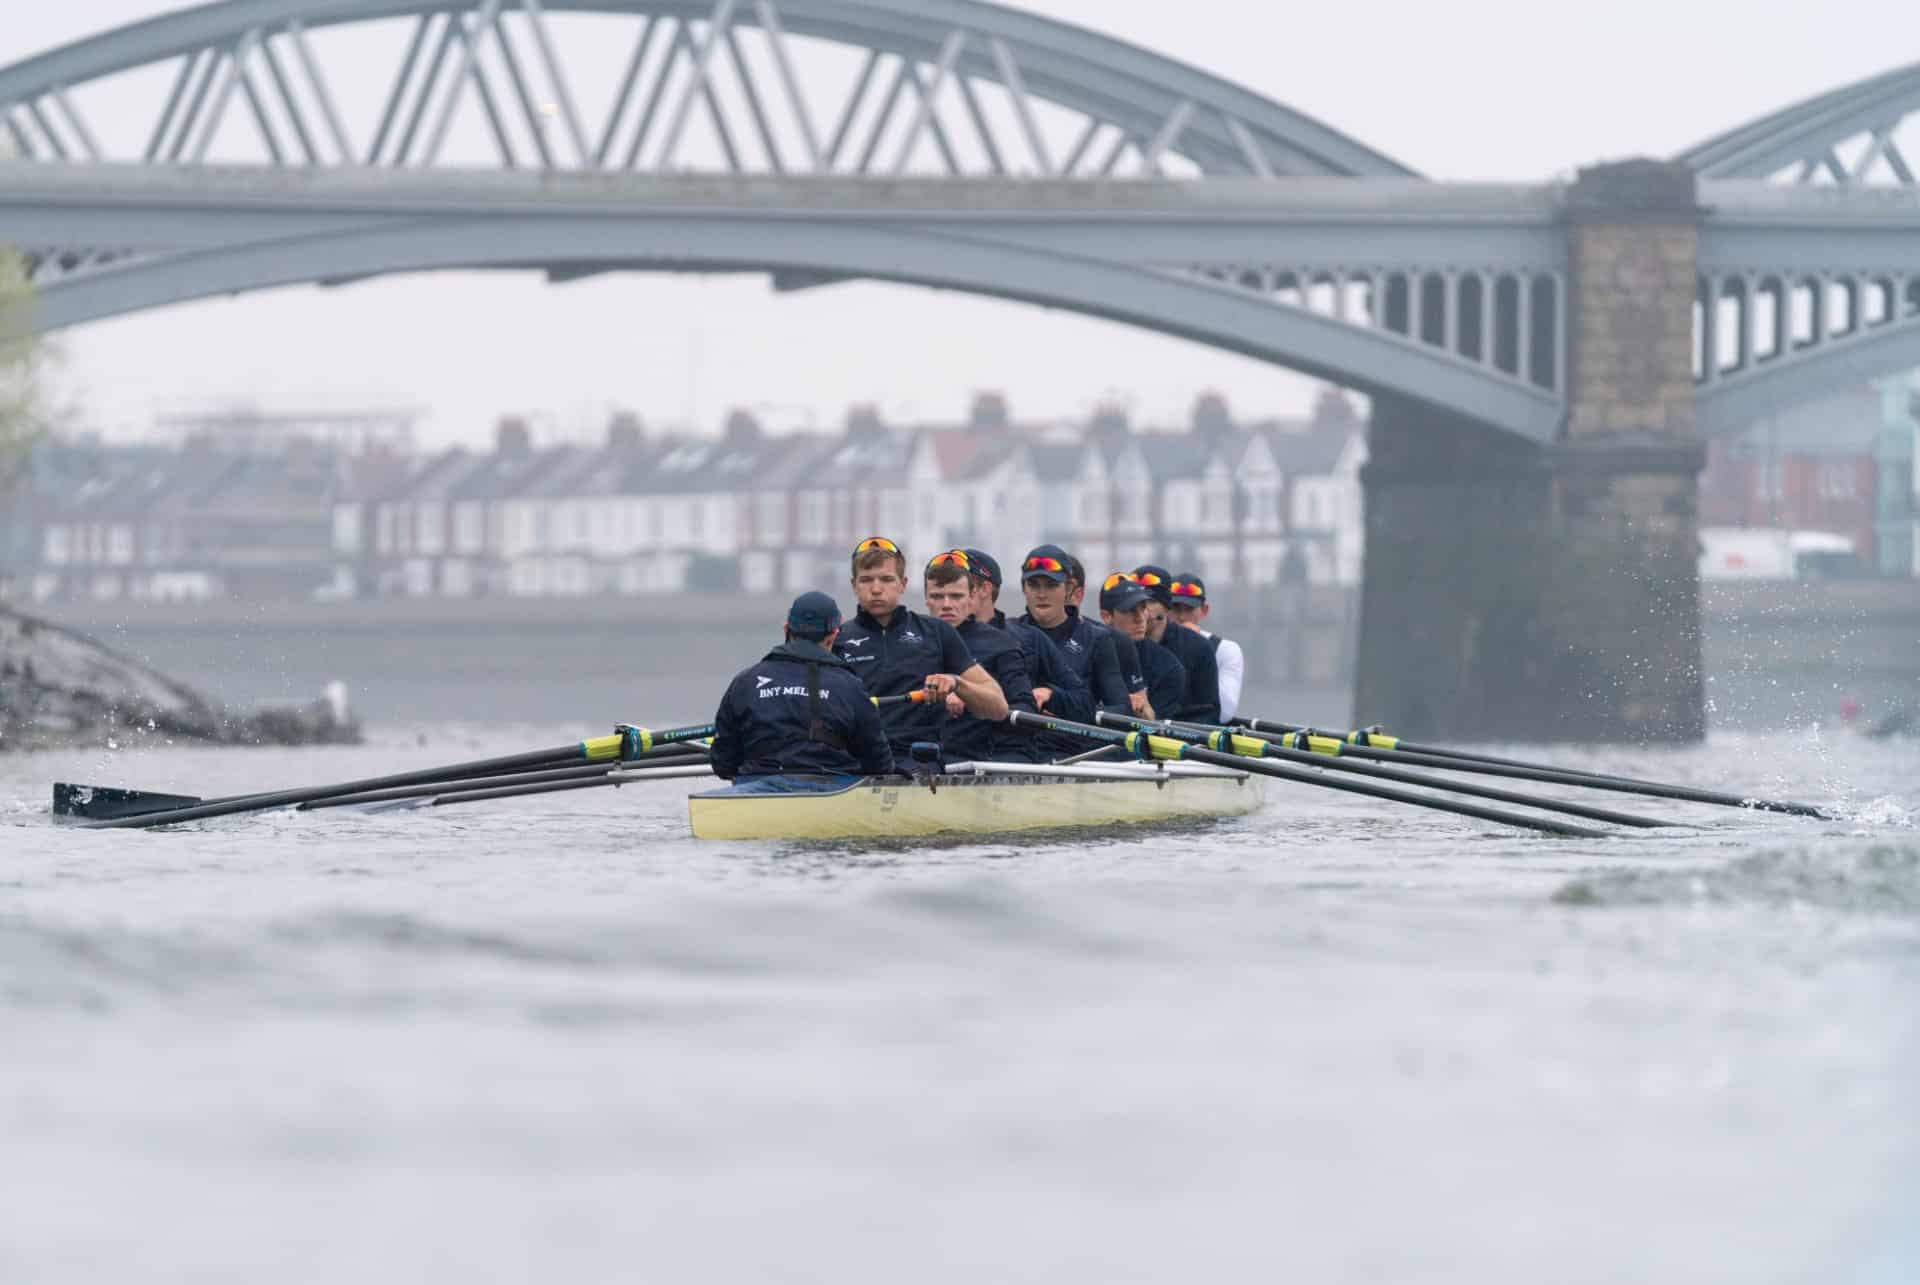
[1233, 672]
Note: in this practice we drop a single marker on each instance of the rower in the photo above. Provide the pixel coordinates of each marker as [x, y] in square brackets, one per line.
[1123, 605]
[1131, 674]
[1086, 647]
[948, 583]
[799, 709]
[896, 651]
[1192, 651]
[1057, 690]
[1188, 596]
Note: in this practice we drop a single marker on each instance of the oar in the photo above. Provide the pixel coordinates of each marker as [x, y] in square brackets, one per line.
[915, 697]
[673, 757]
[615, 776]
[1164, 747]
[626, 743]
[1227, 741]
[1387, 749]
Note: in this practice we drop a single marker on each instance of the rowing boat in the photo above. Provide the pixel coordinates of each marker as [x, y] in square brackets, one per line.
[979, 798]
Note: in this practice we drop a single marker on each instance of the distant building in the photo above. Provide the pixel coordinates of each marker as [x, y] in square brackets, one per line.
[1811, 467]
[348, 515]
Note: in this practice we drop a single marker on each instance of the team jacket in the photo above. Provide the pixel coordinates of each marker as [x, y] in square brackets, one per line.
[968, 737]
[896, 660]
[1166, 679]
[1088, 651]
[799, 709]
[1195, 654]
[1132, 672]
[1047, 668]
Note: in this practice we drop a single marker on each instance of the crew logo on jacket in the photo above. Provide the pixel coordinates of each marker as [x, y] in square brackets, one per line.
[897, 659]
[765, 725]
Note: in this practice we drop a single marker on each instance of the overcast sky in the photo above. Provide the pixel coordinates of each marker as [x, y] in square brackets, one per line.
[1472, 89]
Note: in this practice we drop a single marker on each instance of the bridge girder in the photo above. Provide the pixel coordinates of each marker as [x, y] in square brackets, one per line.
[255, 58]
[192, 237]
[1806, 142]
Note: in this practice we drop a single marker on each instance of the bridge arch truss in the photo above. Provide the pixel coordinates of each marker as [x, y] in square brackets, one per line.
[951, 86]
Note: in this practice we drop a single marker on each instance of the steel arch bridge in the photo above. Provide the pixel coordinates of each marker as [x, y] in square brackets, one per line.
[948, 143]
[1818, 287]
[961, 145]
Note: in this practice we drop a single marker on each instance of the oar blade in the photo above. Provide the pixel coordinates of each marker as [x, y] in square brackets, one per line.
[103, 802]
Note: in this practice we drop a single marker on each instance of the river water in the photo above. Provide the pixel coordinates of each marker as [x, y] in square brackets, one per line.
[555, 1038]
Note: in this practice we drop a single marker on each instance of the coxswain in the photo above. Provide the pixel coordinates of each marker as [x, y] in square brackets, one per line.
[896, 651]
[1192, 651]
[1086, 646]
[1123, 606]
[1057, 689]
[799, 709]
[1189, 609]
[948, 582]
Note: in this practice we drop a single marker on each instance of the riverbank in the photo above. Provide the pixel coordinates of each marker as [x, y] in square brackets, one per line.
[60, 688]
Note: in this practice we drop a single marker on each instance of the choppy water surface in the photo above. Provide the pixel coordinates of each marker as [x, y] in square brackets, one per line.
[555, 1038]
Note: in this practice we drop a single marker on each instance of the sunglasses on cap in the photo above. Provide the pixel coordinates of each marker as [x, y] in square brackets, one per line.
[1186, 589]
[1146, 578]
[1044, 564]
[879, 542]
[1118, 577]
[952, 557]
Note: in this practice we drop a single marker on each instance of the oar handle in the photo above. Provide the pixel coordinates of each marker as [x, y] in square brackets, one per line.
[915, 697]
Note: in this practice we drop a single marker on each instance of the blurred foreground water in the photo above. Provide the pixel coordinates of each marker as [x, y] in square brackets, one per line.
[555, 1038]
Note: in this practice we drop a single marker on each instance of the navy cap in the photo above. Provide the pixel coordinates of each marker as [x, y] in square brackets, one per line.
[1047, 562]
[984, 566]
[1188, 588]
[813, 616]
[1157, 581]
[1122, 595]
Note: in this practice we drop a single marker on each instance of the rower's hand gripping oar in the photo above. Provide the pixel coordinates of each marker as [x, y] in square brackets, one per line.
[1146, 745]
[1380, 747]
[627, 743]
[1226, 740]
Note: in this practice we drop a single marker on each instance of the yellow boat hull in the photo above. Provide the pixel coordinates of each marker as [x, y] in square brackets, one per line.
[989, 804]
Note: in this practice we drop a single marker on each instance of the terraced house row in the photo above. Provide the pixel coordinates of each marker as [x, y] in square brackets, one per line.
[635, 513]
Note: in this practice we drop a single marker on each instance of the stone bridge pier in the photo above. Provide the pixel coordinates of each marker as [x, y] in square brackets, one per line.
[1515, 592]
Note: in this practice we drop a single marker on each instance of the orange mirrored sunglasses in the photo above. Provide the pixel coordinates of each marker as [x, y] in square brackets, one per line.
[955, 557]
[1116, 578]
[1146, 578]
[876, 542]
[1186, 589]
[1044, 564]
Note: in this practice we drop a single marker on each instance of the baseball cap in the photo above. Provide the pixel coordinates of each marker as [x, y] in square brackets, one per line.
[1157, 581]
[984, 566]
[813, 616]
[1121, 593]
[1188, 588]
[1047, 562]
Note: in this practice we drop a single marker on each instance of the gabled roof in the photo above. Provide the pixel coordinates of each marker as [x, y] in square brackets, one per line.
[1175, 457]
[1312, 450]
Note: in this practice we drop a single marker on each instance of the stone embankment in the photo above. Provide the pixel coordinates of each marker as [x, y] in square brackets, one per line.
[62, 689]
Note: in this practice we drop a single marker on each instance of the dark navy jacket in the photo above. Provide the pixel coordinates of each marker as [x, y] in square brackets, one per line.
[1046, 667]
[765, 722]
[1195, 654]
[1132, 672]
[1166, 679]
[896, 660]
[1088, 650]
[968, 737]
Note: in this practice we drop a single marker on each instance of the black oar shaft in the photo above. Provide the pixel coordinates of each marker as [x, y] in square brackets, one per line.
[1301, 776]
[675, 756]
[1490, 765]
[1382, 772]
[609, 778]
[607, 749]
